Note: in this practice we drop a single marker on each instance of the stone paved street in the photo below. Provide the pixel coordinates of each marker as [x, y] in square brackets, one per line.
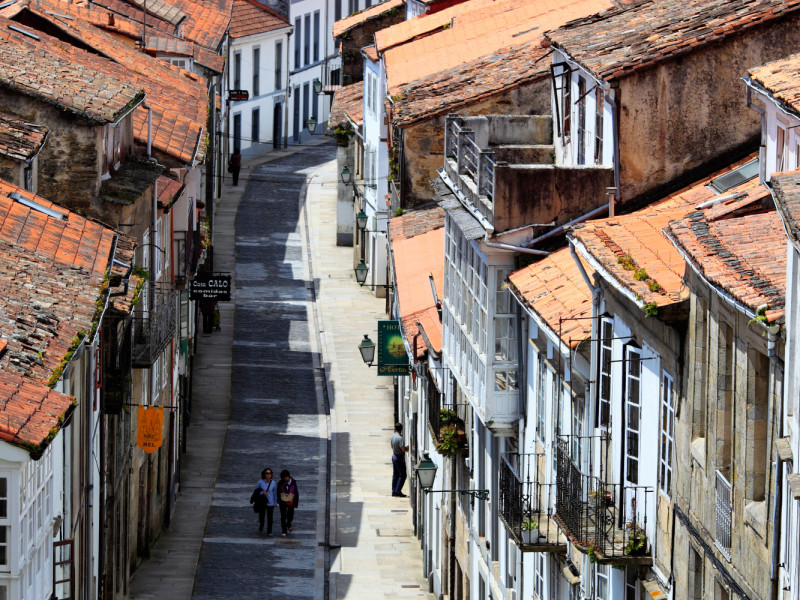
[298, 397]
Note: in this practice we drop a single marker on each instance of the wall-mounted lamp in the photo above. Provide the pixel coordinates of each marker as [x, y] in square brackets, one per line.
[426, 475]
[312, 125]
[367, 350]
[362, 270]
[317, 86]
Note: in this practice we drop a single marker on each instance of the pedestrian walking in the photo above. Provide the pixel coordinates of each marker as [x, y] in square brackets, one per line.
[235, 165]
[268, 499]
[398, 461]
[288, 500]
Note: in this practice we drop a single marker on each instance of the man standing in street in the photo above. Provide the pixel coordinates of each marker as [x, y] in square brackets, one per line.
[398, 461]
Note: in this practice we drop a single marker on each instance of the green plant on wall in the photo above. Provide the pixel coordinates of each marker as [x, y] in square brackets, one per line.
[449, 440]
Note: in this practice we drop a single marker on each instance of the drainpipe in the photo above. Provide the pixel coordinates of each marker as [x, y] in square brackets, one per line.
[773, 333]
[149, 130]
[615, 132]
[595, 290]
[511, 248]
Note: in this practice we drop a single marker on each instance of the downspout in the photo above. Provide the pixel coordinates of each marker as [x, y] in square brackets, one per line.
[773, 333]
[615, 132]
[149, 130]
[511, 248]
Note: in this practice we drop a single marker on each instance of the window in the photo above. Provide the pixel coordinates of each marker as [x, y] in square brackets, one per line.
[604, 391]
[297, 41]
[538, 580]
[633, 412]
[337, 10]
[3, 497]
[599, 106]
[780, 150]
[255, 123]
[278, 63]
[237, 70]
[581, 141]
[352, 6]
[601, 582]
[178, 62]
[541, 405]
[667, 435]
[368, 91]
[316, 36]
[256, 70]
[307, 40]
[566, 103]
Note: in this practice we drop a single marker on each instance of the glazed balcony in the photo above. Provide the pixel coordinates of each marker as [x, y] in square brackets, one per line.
[605, 520]
[116, 346]
[185, 252]
[153, 329]
[526, 504]
[502, 167]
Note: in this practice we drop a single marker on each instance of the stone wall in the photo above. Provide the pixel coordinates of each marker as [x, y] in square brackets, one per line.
[69, 163]
[676, 118]
[360, 37]
[423, 142]
[727, 424]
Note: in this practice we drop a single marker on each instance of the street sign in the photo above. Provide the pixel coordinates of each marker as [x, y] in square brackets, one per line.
[238, 95]
[392, 356]
[210, 286]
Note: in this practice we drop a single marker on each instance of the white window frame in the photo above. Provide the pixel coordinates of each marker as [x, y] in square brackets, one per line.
[605, 354]
[538, 576]
[633, 413]
[667, 434]
[541, 404]
[602, 574]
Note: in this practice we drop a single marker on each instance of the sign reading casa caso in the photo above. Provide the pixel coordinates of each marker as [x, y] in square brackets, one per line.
[210, 286]
[392, 357]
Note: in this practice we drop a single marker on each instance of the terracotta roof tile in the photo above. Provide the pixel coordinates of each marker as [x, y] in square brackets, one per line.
[745, 257]
[415, 260]
[161, 9]
[348, 101]
[470, 83]
[344, 25]
[177, 97]
[477, 33]
[786, 193]
[250, 17]
[554, 289]
[51, 271]
[29, 410]
[20, 140]
[70, 78]
[781, 79]
[617, 42]
[209, 59]
[614, 242]
[415, 222]
[168, 45]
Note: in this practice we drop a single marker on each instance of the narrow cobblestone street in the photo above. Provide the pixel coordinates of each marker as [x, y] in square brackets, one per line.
[299, 398]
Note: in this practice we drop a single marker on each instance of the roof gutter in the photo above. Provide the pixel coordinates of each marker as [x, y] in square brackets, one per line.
[751, 85]
[41, 146]
[130, 107]
[540, 322]
[597, 266]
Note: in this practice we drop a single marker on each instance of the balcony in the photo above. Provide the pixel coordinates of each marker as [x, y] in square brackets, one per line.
[502, 166]
[526, 504]
[723, 513]
[154, 328]
[185, 254]
[605, 520]
[448, 425]
[116, 347]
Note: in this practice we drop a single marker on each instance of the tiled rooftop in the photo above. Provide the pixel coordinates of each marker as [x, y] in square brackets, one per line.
[178, 98]
[618, 42]
[415, 222]
[786, 193]
[781, 78]
[415, 259]
[29, 410]
[250, 17]
[478, 33]
[348, 101]
[51, 271]
[344, 25]
[554, 289]
[621, 245]
[209, 59]
[168, 45]
[168, 188]
[20, 140]
[72, 79]
[744, 257]
[163, 10]
[469, 83]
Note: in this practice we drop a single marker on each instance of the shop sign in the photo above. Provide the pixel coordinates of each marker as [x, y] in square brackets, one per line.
[392, 356]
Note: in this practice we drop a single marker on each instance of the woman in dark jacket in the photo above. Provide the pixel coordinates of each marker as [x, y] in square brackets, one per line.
[288, 500]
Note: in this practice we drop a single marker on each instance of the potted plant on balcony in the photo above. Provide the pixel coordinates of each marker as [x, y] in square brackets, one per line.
[451, 440]
[637, 541]
[530, 531]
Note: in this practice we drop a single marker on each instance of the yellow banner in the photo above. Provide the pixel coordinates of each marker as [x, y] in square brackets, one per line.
[151, 424]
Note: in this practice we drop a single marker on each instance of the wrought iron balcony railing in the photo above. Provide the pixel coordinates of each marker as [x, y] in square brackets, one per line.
[526, 503]
[606, 520]
[116, 347]
[723, 513]
[153, 329]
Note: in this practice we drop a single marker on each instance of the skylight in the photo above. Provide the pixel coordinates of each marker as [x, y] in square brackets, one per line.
[36, 206]
[736, 177]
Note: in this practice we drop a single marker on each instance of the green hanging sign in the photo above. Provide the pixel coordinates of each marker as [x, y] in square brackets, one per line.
[392, 356]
